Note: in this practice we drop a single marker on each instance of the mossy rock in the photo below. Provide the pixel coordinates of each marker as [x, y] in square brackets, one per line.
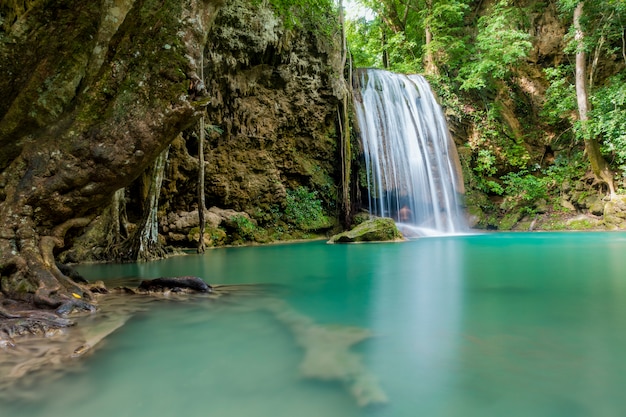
[583, 222]
[213, 236]
[360, 218]
[615, 213]
[595, 205]
[381, 229]
[510, 220]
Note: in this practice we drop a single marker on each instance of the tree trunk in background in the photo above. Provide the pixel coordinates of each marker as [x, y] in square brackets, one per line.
[144, 243]
[344, 127]
[201, 199]
[92, 92]
[599, 165]
[117, 231]
[201, 204]
[429, 60]
[385, 51]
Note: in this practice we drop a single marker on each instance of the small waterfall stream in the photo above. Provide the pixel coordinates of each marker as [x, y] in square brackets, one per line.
[412, 165]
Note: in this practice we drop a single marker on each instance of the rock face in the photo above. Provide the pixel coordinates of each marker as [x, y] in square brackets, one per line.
[274, 95]
[270, 131]
[615, 213]
[270, 95]
[380, 229]
[183, 227]
[272, 115]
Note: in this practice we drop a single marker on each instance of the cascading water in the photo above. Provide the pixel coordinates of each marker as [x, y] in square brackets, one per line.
[412, 166]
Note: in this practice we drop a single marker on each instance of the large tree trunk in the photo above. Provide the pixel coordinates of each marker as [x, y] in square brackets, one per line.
[92, 92]
[598, 164]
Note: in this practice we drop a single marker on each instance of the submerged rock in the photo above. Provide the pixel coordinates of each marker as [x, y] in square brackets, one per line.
[380, 229]
[328, 354]
[177, 284]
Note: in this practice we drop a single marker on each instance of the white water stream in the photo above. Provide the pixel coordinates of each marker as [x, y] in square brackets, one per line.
[411, 161]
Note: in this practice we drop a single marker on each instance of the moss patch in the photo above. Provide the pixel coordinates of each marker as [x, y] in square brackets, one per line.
[380, 229]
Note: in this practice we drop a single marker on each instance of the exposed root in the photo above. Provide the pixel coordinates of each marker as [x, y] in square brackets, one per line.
[54, 290]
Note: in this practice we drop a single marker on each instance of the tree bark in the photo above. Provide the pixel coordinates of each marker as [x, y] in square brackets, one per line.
[201, 199]
[87, 106]
[344, 126]
[599, 165]
[201, 204]
[429, 60]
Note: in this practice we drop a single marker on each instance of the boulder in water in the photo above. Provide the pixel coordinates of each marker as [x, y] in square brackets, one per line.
[380, 229]
[176, 284]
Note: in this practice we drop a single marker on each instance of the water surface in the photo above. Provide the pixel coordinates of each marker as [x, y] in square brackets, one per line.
[485, 325]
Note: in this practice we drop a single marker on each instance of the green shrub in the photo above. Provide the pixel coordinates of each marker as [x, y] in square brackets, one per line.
[304, 210]
[244, 227]
[525, 186]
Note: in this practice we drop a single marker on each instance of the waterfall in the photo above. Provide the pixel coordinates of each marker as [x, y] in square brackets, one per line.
[412, 166]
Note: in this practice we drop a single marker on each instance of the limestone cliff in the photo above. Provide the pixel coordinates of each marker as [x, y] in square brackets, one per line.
[271, 126]
[271, 147]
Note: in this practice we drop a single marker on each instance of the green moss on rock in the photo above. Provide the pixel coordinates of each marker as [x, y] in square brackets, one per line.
[510, 220]
[381, 229]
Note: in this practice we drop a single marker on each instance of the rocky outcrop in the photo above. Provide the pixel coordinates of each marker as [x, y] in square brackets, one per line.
[270, 95]
[381, 229]
[274, 94]
[615, 213]
[223, 227]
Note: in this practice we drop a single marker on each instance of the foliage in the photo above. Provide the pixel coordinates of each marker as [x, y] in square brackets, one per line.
[501, 42]
[445, 20]
[244, 227]
[485, 162]
[314, 15]
[560, 97]
[525, 188]
[608, 118]
[396, 38]
[304, 209]
[365, 45]
[372, 44]
[603, 26]
[495, 149]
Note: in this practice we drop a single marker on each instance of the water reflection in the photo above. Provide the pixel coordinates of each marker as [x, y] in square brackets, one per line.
[416, 307]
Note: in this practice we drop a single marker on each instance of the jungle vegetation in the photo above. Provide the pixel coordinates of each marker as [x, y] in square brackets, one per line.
[535, 89]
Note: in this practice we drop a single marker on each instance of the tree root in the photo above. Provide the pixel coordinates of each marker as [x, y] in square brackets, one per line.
[29, 322]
